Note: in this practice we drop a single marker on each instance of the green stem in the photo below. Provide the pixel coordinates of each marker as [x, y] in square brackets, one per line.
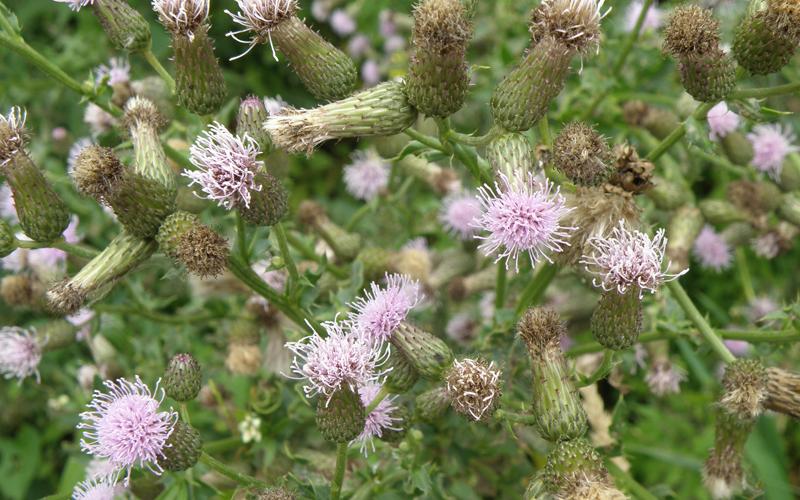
[500, 287]
[280, 234]
[516, 418]
[788, 88]
[423, 139]
[632, 38]
[229, 472]
[471, 140]
[75, 250]
[713, 340]
[338, 478]
[382, 394]
[744, 275]
[628, 483]
[536, 287]
[241, 239]
[678, 133]
[156, 64]
[308, 253]
[720, 161]
[601, 371]
[178, 157]
[185, 413]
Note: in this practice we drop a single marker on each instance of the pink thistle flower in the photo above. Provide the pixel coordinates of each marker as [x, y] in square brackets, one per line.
[721, 121]
[367, 176]
[394, 44]
[652, 20]
[124, 425]
[628, 258]
[98, 119]
[370, 73]
[76, 4]
[712, 250]
[96, 489]
[418, 243]
[342, 359]
[459, 213]
[321, 9]
[771, 145]
[75, 150]
[20, 353]
[7, 209]
[342, 23]
[226, 165]
[379, 420]
[259, 18]
[182, 16]
[358, 46]
[16, 137]
[664, 378]
[522, 215]
[98, 468]
[387, 23]
[117, 71]
[380, 310]
[738, 348]
[767, 245]
[58, 134]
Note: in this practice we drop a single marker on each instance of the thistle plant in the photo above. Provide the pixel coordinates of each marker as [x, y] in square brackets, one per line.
[447, 248]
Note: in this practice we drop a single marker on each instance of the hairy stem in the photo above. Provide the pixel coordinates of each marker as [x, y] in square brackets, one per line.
[713, 340]
[229, 472]
[338, 478]
[153, 61]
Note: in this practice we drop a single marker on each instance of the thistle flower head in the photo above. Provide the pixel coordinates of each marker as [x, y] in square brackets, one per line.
[343, 358]
[771, 145]
[226, 165]
[626, 258]
[104, 488]
[367, 176]
[259, 18]
[383, 418]
[381, 309]
[117, 71]
[721, 121]
[342, 23]
[75, 151]
[664, 378]
[182, 17]
[76, 4]
[574, 23]
[522, 215]
[125, 425]
[13, 136]
[712, 250]
[98, 119]
[473, 386]
[458, 214]
[20, 353]
[691, 30]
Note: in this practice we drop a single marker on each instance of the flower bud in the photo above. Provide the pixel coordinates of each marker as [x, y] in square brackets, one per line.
[345, 245]
[41, 213]
[183, 447]
[463, 287]
[380, 110]
[721, 212]
[441, 180]
[428, 354]
[556, 405]
[783, 392]
[618, 318]
[510, 155]
[143, 121]
[183, 377]
[431, 404]
[98, 276]
[708, 77]
[454, 263]
[669, 195]
[376, 261]
[737, 148]
[574, 469]
[189, 242]
[789, 209]
[754, 198]
[21, 290]
[401, 374]
[767, 37]
[473, 387]
[125, 27]
[8, 243]
[582, 155]
[438, 77]
[738, 233]
[745, 384]
[267, 206]
[56, 334]
[723, 475]
[199, 83]
[684, 226]
[250, 121]
[341, 418]
[790, 173]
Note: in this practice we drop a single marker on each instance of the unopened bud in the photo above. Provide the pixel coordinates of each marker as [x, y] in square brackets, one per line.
[510, 155]
[377, 262]
[183, 377]
[668, 195]
[267, 206]
[244, 359]
[56, 334]
[708, 77]
[721, 212]
[441, 180]
[789, 209]
[745, 384]
[341, 418]
[250, 121]
[415, 263]
[432, 404]
[401, 375]
[737, 148]
[199, 83]
[463, 287]
[574, 469]
[20, 290]
[183, 447]
[125, 27]
[188, 241]
[767, 37]
[617, 320]
[473, 387]
[428, 354]
[684, 226]
[582, 155]
[753, 197]
[660, 122]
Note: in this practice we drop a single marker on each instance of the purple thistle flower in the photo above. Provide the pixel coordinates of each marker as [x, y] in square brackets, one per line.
[712, 250]
[522, 215]
[767, 245]
[226, 164]
[394, 44]
[342, 359]
[628, 258]
[387, 23]
[367, 176]
[370, 73]
[358, 46]
[664, 378]
[379, 420]
[96, 489]
[182, 16]
[380, 310]
[16, 135]
[721, 121]
[259, 18]
[342, 23]
[771, 145]
[98, 468]
[76, 4]
[118, 71]
[738, 348]
[760, 307]
[20, 353]
[459, 213]
[125, 426]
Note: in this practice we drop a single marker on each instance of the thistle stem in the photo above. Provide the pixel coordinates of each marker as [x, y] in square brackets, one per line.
[744, 275]
[536, 287]
[760, 93]
[338, 478]
[713, 340]
[74, 250]
[500, 287]
[678, 133]
[283, 244]
[156, 65]
[229, 472]
[513, 417]
[308, 253]
[632, 38]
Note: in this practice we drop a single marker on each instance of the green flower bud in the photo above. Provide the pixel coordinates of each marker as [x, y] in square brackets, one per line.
[183, 447]
[341, 418]
[582, 155]
[668, 195]
[143, 121]
[57, 334]
[790, 173]
[8, 242]
[380, 110]
[402, 375]
[745, 384]
[723, 474]
[738, 233]
[438, 76]
[556, 405]
[789, 209]
[721, 212]
[684, 226]
[536, 489]
[428, 354]
[737, 148]
[189, 242]
[268, 206]
[376, 261]
[510, 154]
[431, 404]
[124, 26]
[767, 38]
[574, 469]
[183, 377]
[250, 121]
[617, 321]
[199, 83]
[327, 72]
[708, 77]
[99, 276]
[345, 245]
[783, 392]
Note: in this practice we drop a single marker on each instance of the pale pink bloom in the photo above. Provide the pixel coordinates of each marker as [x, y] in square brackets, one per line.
[125, 426]
[664, 378]
[367, 176]
[20, 353]
[394, 44]
[565, 342]
[522, 215]
[461, 327]
[81, 320]
[771, 145]
[182, 16]
[58, 134]
[370, 73]
[387, 24]
[342, 23]
[624, 259]
[7, 209]
[343, 358]
[321, 9]
[459, 213]
[358, 46]
[711, 250]
[258, 18]
[76, 4]
[275, 105]
[99, 120]
[767, 245]
[738, 348]
[760, 307]
[381, 309]
[117, 71]
[652, 20]
[379, 420]
[721, 121]
[226, 166]
[98, 468]
[96, 489]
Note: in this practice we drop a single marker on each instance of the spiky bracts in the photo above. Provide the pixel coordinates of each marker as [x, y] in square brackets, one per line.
[618, 319]
[341, 417]
[582, 154]
[183, 377]
[692, 38]
[426, 353]
[381, 110]
[199, 83]
[125, 27]
[783, 391]
[556, 405]
[574, 470]
[438, 78]
[183, 447]
[745, 389]
[768, 36]
[510, 155]
[191, 243]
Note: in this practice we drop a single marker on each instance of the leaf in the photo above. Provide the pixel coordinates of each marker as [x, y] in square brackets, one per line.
[19, 462]
[766, 454]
